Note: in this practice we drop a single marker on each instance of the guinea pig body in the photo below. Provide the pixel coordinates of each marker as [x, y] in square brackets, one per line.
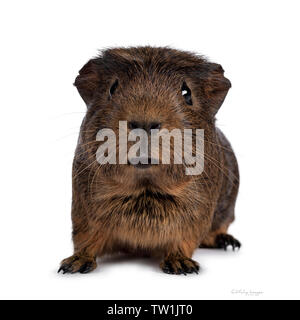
[153, 209]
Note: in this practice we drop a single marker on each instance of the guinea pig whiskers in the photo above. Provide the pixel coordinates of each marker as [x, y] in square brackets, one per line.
[193, 180]
[206, 184]
[213, 160]
[215, 163]
[90, 185]
[66, 114]
[216, 144]
[66, 136]
[81, 171]
[87, 151]
[71, 134]
[88, 143]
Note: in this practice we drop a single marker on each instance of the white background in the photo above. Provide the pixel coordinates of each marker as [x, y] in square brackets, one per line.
[45, 43]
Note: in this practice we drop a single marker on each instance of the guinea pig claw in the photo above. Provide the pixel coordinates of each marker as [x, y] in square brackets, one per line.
[225, 240]
[65, 269]
[181, 265]
[77, 263]
[86, 268]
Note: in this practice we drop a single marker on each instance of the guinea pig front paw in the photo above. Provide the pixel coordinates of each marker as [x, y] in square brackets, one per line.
[78, 263]
[179, 265]
[224, 240]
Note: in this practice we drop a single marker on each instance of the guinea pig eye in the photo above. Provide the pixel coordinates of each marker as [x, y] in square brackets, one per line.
[113, 88]
[187, 94]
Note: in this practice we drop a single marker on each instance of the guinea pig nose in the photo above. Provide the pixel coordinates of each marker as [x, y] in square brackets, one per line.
[134, 125]
[154, 125]
[144, 125]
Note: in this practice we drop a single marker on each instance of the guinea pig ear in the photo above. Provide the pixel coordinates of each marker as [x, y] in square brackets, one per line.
[87, 81]
[216, 87]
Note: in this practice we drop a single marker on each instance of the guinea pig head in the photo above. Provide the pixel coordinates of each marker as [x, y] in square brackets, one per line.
[151, 89]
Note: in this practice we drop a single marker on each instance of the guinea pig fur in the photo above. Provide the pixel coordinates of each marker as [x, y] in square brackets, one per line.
[155, 209]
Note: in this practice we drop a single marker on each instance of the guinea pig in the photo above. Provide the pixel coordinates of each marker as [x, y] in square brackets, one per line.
[152, 208]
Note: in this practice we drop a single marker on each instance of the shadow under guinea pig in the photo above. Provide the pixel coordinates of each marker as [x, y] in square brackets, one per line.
[152, 263]
[125, 258]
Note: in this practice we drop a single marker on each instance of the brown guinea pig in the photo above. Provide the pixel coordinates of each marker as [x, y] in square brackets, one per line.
[150, 208]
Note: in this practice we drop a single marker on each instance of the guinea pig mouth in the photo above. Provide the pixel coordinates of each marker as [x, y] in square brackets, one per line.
[142, 163]
[142, 166]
